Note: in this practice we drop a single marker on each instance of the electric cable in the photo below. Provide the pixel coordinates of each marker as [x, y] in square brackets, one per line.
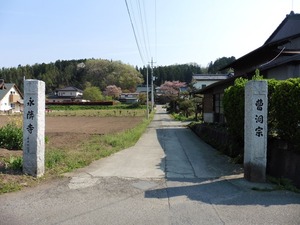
[136, 40]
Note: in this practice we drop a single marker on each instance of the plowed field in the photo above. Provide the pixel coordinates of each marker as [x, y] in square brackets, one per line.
[70, 131]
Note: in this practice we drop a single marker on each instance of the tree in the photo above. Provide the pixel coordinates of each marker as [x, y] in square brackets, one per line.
[112, 91]
[219, 64]
[187, 107]
[92, 94]
[102, 73]
[172, 88]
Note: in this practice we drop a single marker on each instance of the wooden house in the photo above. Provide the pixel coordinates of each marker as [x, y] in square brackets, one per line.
[11, 98]
[278, 58]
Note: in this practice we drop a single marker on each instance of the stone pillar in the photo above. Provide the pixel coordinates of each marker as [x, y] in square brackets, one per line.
[34, 128]
[256, 131]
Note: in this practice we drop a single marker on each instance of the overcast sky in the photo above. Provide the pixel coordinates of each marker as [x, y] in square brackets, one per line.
[177, 32]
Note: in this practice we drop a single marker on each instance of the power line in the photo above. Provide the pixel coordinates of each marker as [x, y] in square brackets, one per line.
[136, 40]
[147, 33]
[136, 25]
[140, 28]
[155, 29]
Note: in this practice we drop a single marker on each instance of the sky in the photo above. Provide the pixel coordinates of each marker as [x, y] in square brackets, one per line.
[167, 31]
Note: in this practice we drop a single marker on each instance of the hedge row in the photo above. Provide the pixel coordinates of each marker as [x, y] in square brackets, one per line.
[283, 109]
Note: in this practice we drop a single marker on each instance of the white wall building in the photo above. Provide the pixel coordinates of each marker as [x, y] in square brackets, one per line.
[11, 99]
[203, 80]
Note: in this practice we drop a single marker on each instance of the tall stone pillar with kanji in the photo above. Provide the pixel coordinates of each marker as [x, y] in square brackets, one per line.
[256, 130]
[34, 128]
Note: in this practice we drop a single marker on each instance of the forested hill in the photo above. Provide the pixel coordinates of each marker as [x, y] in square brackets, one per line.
[182, 72]
[78, 73]
[101, 73]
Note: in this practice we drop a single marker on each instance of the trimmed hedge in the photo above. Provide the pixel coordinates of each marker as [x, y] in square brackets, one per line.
[286, 103]
[283, 109]
[234, 104]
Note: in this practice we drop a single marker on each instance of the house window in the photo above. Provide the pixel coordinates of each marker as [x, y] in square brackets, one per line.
[203, 86]
[13, 106]
[218, 103]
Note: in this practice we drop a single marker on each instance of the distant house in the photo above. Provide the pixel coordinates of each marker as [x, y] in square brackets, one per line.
[278, 58]
[67, 94]
[201, 81]
[11, 98]
[129, 98]
[143, 89]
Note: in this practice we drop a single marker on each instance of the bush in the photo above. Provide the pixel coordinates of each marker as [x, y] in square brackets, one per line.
[11, 137]
[283, 109]
[287, 109]
[234, 104]
[272, 124]
[187, 107]
[14, 163]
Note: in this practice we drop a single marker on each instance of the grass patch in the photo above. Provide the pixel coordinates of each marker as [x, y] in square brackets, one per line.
[14, 163]
[6, 187]
[181, 117]
[283, 184]
[280, 184]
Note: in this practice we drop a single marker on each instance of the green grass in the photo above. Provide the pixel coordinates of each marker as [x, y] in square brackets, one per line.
[180, 117]
[14, 163]
[9, 187]
[280, 184]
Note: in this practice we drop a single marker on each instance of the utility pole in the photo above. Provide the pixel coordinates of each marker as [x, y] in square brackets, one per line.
[147, 93]
[152, 86]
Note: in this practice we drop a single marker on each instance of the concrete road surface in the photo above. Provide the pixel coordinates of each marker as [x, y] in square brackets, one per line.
[169, 177]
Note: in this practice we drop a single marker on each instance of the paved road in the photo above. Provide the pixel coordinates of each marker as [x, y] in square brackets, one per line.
[169, 177]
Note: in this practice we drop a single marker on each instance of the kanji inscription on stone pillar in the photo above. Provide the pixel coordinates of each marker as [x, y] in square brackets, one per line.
[34, 128]
[256, 130]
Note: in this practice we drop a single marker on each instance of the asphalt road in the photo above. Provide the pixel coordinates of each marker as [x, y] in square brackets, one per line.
[169, 177]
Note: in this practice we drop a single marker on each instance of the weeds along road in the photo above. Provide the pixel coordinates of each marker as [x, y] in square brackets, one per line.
[169, 177]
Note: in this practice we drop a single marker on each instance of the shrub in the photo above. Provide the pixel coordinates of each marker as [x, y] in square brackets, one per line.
[287, 109]
[272, 123]
[186, 106]
[283, 109]
[234, 104]
[14, 163]
[11, 136]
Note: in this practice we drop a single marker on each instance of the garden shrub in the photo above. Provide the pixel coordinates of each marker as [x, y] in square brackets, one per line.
[187, 107]
[272, 122]
[283, 109]
[14, 163]
[11, 136]
[286, 100]
[234, 104]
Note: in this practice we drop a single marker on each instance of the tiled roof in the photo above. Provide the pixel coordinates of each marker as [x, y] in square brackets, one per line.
[287, 30]
[70, 88]
[210, 76]
[7, 88]
[289, 27]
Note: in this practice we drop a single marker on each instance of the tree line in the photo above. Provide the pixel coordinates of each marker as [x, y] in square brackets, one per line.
[101, 73]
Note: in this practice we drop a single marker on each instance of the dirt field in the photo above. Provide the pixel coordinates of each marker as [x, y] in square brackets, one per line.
[61, 133]
[70, 131]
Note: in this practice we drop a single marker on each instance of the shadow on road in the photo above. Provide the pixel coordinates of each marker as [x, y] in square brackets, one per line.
[221, 192]
[210, 178]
